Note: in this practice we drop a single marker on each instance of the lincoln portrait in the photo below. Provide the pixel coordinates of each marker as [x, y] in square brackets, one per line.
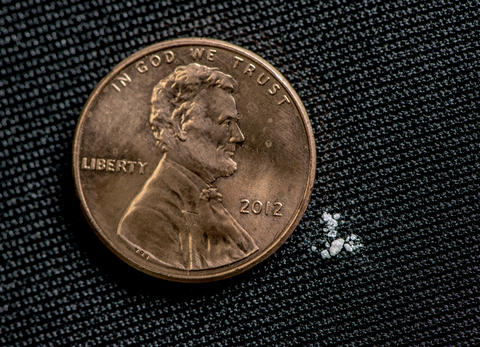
[178, 217]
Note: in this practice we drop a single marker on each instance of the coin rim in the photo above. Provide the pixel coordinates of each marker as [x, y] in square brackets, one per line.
[268, 251]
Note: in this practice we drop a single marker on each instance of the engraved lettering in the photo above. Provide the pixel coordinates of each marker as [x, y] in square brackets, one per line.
[141, 66]
[121, 165]
[131, 168]
[277, 208]
[267, 207]
[237, 60]
[85, 165]
[114, 165]
[142, 253]
[197, 53]
[141, 171]
[124, 79]
[257, 207]
[284, 99]
[111, 165]
[274, 89]
[244, 207]
[169, 56]
[249, 70]
[100, 164]
[211, 53]
[155, 60]
[262, 79]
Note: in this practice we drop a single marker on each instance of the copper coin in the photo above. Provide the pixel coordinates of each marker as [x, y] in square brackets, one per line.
[194, 160]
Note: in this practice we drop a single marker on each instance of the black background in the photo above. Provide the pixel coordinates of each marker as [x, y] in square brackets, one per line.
[392, 90]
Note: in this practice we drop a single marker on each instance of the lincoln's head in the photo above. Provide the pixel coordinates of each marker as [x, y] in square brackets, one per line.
[194, 119]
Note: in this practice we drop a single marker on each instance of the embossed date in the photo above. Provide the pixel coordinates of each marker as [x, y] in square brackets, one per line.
[257, 207]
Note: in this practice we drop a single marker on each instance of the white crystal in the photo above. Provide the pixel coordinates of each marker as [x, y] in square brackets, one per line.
[336, 246]
[326, 216]
[332, 233]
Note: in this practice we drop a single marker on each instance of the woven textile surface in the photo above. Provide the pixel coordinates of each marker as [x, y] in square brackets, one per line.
[392, 90]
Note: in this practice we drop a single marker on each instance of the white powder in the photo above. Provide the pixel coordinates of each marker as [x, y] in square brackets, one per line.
[334, 244]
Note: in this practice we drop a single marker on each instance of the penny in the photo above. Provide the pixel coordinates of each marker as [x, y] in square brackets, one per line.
[194, 160]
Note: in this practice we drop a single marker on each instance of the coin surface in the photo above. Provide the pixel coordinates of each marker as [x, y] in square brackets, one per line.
[194, 160]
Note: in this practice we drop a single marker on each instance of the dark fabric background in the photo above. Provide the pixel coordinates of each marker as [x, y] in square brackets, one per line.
[392, 89]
